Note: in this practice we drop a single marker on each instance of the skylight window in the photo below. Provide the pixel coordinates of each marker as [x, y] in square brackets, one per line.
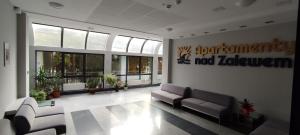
[74, 38]
[149, 47]
[135, 45]
[46, 35]
[97, 41]
[120, 44]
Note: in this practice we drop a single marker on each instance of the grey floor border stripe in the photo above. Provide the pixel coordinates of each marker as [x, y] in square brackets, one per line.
[85, 123]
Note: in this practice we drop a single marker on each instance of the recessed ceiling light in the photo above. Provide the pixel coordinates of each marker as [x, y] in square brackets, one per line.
[206, 32]
[218, 9]
[181, 36]
[193, 34]
[269, 22]
[56, 5]
[244, 3]
[243, 26]
[284, 2]
[223, 29]
[169, 29]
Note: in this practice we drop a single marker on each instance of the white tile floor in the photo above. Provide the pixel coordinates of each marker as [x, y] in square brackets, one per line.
[86, 101]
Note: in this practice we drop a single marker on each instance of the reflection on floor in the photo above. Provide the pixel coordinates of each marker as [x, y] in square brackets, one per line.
[137, 118]
[132, 112]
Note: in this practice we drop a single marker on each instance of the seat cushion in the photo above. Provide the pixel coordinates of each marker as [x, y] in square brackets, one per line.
[212, 97]
[44, 132]
[166, 96]
[24, 119]
[49, 110]
[189, 102]
[32, 102]
[181, 91]
[48, 122]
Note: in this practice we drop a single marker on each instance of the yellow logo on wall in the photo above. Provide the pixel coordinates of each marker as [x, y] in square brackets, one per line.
[184, 54]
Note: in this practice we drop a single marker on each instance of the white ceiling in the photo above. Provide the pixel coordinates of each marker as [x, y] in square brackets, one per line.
[149, 16]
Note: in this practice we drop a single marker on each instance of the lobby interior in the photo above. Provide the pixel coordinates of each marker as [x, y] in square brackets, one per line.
[149, 67]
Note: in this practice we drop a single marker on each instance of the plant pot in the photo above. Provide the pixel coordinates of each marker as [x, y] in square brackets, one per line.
[56, 93]
[92, 90]
[117, 89]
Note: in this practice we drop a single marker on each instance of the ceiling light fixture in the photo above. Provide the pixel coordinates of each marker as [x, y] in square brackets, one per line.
[170, 3]
[206, 32]
[181, 36]
[244, 3]
[243, 26]
[269, 22]
[218, 9]
[56, 5]
[223, 29]
[193, 34]
[169, 29]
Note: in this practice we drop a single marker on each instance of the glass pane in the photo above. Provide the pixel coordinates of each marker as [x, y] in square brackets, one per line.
[50, 61]
[160, 50]
[97, 41]
[149, 47]
[118, 66]
[73, 64]
[159, 78]
[160, 60]
[120, 44]
[94, 65]
[133, 65]
[74, 38]
[138, 79]
[73, 83]
[146, 64]
[135, 45]
[46, 35]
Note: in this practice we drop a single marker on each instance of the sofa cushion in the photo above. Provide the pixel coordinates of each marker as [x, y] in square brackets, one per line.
[165, 96]
[32, 102]
[181, 91]
[47, 122]
[212, 97]
[49, 110]
[189, 102]
[44, 132]
[24, 119]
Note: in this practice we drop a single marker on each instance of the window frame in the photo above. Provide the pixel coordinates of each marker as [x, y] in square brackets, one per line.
[61, 35]
[99, 33]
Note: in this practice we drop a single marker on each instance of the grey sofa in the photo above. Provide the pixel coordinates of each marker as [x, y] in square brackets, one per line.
[171, 94]
[6, 128]
[29, 120]
[43, 111]
[209, 103]
[272, 127]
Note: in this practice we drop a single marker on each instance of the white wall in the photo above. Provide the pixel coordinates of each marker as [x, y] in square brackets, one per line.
[8, 82]
[268, 88]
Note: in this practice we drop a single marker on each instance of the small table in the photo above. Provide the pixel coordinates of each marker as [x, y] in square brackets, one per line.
[46, 103]
[253, 121]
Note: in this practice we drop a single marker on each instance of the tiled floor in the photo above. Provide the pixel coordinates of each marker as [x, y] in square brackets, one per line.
[97, 106]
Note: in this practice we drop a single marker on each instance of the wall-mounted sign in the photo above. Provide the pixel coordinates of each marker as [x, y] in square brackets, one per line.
[184, 54]
[229, 54]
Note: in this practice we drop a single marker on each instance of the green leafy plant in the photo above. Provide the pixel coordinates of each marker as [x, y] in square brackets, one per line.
[93, 82]
[38, 95]
[56, 82]
[41, 78]
[111, 79]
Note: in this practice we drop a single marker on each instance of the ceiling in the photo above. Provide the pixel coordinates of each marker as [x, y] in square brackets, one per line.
[190, 18]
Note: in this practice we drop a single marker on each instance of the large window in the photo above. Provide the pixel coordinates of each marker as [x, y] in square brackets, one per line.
[46, 35]
[74, 39]
[96, 41]
[150, 46]
[159, 71]
[50, 61]
[120, 44]
[135, 45]
[134, 70]
[74, 68]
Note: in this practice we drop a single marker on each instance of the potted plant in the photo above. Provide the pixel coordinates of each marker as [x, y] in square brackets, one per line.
[38, 94]
[125, 86]
[56, 83]
[93, 84]
[112, 81]
[246, 108]
[42, 82]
